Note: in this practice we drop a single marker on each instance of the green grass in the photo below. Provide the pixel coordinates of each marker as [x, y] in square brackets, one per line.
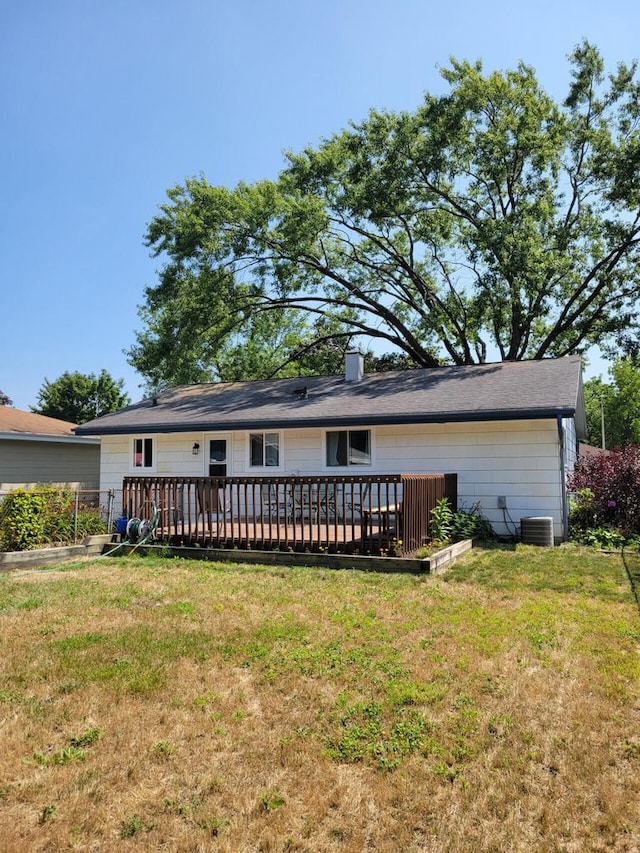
[258, 705]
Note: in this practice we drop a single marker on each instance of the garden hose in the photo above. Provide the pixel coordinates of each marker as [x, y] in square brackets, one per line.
[139, 531]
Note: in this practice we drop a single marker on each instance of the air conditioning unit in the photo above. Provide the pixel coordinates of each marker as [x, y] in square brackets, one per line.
[537, 531]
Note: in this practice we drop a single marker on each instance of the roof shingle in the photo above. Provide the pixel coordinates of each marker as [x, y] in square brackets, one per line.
[29, 423]
[499, 391]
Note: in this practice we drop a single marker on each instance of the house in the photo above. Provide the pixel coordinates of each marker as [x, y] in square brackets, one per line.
[509, 430]
[35, 449]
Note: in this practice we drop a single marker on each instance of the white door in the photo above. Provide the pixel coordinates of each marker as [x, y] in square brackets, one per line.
[218, 459]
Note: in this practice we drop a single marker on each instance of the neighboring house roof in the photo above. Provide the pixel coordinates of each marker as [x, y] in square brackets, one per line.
[28, 426]
[500, 391]
[590, 450]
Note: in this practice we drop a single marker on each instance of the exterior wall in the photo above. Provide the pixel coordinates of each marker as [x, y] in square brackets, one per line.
[29, 463]
[519, 460]
[571, 444]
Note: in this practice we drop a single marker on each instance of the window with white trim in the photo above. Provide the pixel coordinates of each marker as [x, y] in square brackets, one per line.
[143, 453]
[264, 449]
[348, 447]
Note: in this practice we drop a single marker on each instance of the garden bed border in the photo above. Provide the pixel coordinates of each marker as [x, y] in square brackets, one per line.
[107, 545]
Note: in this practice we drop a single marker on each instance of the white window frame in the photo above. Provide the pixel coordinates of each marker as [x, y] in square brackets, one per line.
[349, 466]
[264, 467]
[136, 469]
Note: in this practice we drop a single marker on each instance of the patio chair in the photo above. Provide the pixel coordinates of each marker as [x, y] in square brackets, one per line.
[383, 514]
[212, 503]
[304, 502]
[316, 502]
[330, 501]
[356, 499]
[275, 504]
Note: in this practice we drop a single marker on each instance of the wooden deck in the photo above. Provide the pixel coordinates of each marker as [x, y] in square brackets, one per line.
[300, 536]
[385, 514]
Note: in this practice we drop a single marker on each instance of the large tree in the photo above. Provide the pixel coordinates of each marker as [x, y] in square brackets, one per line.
[5, 400]
[79, 397]
[490, 223]
[614, 405]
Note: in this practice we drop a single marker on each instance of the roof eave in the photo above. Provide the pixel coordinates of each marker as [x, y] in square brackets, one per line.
[92, 438]
[338, 421]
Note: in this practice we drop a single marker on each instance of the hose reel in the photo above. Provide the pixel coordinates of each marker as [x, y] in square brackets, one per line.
[141, 530]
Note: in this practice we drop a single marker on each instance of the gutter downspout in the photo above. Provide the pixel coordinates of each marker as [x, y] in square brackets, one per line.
[563, 484]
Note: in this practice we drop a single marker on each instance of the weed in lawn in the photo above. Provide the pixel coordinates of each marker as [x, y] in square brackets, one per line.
[212, 825]
[133, 825]
[62, 756]
[29, 604]
[271, 799]
[47, 813]
[181, 608]
[86, 739]
[163, 749]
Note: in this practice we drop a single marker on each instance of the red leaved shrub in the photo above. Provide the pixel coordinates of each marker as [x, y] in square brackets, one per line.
[608, 490]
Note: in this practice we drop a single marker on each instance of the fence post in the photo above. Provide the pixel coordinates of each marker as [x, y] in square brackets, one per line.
[110, 501]
[75, 517]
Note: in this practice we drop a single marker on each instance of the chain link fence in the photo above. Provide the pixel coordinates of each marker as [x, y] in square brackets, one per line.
[72, 514]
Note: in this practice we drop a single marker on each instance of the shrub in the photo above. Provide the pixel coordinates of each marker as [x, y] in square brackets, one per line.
[606, 491]
[22, 520]
[29, 519]
[448, 525]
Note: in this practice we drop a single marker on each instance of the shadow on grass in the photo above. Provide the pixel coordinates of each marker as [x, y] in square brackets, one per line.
[631, 560]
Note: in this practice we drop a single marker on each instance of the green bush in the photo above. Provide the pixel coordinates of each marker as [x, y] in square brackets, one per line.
[46, 516]
[448, 525]
[605, 538]
[89, 523]
[22, 520]
[583, 514]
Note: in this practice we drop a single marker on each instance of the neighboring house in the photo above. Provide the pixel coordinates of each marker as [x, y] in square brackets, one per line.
[509, 430]
[591, 450]
[35, 449]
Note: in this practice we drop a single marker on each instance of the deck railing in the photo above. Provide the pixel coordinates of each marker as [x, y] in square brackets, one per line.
[383, 514]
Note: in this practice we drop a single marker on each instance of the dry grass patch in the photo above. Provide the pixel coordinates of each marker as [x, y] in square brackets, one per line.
[187, 706]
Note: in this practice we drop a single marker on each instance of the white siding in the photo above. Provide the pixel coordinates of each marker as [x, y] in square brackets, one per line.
[519, 460]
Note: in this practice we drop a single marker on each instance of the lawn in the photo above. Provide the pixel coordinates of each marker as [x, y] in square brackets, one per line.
[156, 704]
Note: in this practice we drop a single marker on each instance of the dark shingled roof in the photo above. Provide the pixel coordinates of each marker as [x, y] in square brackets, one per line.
[487, 392]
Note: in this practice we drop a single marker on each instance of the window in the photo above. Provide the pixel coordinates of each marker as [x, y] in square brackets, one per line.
[143, 453]
[264, 449]
[218, 457]
[349, 447]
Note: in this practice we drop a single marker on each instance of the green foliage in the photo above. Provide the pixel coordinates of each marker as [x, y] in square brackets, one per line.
[272, 800]
[47, 813]
[134, 824]
[442, 521]
[606, 493]
[618, 401]
[87, 738]
[78, 397]
[450, 526]
[32, 518]
[22, 520]
[4, 400]
[582, 512]
[604, 537]
[367, 735]
[489, 218]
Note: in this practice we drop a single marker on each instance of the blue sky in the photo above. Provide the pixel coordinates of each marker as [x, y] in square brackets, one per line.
[104, 104]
